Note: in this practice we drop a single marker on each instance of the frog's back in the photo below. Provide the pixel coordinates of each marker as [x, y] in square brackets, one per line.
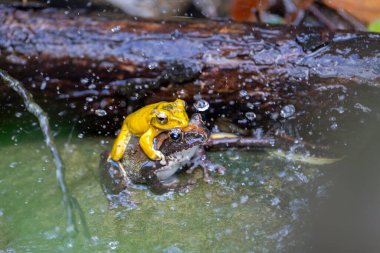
[139, 121]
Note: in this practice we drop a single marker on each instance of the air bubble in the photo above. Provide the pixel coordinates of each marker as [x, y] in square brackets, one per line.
[250, 115]
[201, 105]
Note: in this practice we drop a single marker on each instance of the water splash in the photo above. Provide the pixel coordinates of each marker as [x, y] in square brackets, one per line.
[36, 110]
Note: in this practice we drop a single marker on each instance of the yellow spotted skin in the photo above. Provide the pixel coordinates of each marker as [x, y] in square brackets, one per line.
[147, 123]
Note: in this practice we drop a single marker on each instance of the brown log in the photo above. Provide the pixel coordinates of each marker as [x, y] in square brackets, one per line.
[76, 63]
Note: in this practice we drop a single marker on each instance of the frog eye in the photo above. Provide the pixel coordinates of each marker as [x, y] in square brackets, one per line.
[175, 135]
[162, 118]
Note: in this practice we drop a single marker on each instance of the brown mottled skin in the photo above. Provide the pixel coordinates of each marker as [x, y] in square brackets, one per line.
[187, 151]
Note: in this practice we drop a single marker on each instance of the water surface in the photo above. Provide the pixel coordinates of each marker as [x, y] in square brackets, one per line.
[256, 206]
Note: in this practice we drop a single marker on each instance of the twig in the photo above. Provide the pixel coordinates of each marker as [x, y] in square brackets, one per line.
[240, 142]
[356, 24]
[321, 17]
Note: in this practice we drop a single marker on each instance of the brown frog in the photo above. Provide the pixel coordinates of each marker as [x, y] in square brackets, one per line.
[183, 148]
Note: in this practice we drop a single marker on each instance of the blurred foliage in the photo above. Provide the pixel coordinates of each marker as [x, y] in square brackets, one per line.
[374, 26]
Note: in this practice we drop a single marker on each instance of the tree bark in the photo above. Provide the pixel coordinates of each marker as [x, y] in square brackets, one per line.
[78, 63]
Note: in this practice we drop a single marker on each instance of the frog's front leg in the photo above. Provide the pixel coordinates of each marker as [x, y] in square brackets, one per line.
[147, 145]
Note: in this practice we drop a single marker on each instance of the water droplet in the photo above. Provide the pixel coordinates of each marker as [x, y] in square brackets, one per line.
[152, 65]
[244, 199]
[43, 85]
[250, 105]
[100, 112]
[275, 201]
[84, 80]
[13, 165]
[115, 28]
[18, 114]
[339, 109]
[172, 249]
[287, 111]
[94, 238]
[363, 108]
[113, 244]
[201, 105]
[69, 244]
[250, 115]
[243, 93]
[334, 126]
[80, 136]
[274, 115]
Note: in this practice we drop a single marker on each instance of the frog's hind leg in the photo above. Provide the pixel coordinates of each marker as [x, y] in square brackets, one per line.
[120, 143]
[119, 147]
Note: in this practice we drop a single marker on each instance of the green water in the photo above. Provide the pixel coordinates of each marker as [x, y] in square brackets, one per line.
[258, 206]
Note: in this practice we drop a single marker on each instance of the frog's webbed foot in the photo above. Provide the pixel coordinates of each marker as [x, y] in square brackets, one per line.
[201, 160]
[161, 158]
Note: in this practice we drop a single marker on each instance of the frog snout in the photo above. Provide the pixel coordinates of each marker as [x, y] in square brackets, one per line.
[196, 138]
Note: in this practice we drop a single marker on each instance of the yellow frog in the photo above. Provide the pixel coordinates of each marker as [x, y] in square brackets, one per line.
[147, 123]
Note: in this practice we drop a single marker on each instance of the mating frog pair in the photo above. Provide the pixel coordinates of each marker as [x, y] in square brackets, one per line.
[181, 148]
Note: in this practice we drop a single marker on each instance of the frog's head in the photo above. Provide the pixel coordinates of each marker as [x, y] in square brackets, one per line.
[169, 115]
[195, 134]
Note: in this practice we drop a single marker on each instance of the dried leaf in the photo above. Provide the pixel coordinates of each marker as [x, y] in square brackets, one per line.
[364, 10]
[242, 10]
